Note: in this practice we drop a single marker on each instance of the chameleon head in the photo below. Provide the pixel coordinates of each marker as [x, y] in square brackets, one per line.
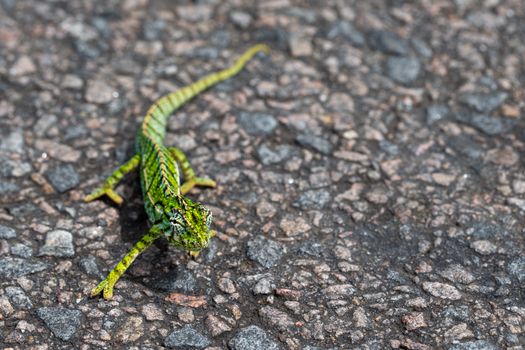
[189, 225]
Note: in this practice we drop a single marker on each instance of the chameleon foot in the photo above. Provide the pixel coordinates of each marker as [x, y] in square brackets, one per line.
[114, 196]
[106, 287]
[196, 181]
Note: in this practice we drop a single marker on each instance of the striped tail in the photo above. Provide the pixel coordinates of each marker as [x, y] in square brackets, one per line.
[154, 124]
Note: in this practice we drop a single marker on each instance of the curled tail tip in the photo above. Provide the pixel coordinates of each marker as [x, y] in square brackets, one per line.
[258, 48]
[262, 48]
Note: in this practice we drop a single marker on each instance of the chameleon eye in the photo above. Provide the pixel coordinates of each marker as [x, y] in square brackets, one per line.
[176, 218]
[209, 218]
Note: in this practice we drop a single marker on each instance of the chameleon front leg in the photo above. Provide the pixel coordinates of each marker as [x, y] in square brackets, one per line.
[113, 180]
[106, 286]
[190, 180]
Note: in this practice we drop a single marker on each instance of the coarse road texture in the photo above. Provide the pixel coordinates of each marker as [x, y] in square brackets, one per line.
[371, 174]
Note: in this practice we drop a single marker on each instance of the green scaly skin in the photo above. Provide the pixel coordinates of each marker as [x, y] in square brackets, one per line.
[184, 223]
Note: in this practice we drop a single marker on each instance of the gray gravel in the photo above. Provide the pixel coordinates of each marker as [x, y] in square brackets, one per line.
[474, 345]
[252, 338]
[517, 268]
[436, 113]
[63, 322]
[18, 298]
[269, 154]
[177, 280]
[7, 232]
[187, 336]
[490, 125]
[313, 199]
[265, 251]
[13, 142]
[403, 70]
[388, 42]
[315, 142]
[257, 123]
[485, 103]
[89, 266]
[348, 31]
[63, 178]
[58, 243]
[17, 267]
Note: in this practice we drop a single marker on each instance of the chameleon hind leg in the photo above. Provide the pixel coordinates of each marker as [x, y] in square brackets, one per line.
[190, 180]
[113, 180]
[106, 286]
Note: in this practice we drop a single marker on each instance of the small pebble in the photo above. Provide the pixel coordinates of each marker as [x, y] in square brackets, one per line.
[89, 266]
[63, 322]
[414, 321]
[226, 285]
[489, 125]
[13, 142]
[21, 250]
[252, 338]
[457, 274]
[7, 232]
[18, 298]
[152, 312]
[63, 177]
[516, 268]
[442, 290]
[346, 30]
[216, 326]
[275, 318]
[388, 42]
[312, 199]
[403, 70]
[435, 113]
[130, 330]
[474, 345]
[180, 280]
[317, 143]
[99, 92]
[484, 103]
[17, 267]
[273, 154]
[241, 19]
[186, 336]
[263, 287]
[257, 123]
[58, 243]
[265, 251]
[23, 66]
[300, 45]
[484, 247]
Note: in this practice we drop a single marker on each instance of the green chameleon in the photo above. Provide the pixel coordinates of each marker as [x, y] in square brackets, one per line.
[184, 223]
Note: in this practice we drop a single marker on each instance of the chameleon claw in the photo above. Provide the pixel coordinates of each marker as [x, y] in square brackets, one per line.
[105, 288]
[108, 292]
[114, 196]
[99, 288]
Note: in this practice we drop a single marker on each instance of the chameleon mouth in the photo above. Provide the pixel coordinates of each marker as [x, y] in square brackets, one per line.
[197, 247]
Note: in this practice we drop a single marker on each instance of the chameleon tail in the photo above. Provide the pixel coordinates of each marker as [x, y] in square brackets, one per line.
[214, 78]
[157, 116]
[181, 96]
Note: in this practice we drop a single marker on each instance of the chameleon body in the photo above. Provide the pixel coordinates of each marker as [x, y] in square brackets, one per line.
[183, 222]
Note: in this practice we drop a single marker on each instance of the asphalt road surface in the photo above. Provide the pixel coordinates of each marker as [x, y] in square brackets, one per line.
[371, 174]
